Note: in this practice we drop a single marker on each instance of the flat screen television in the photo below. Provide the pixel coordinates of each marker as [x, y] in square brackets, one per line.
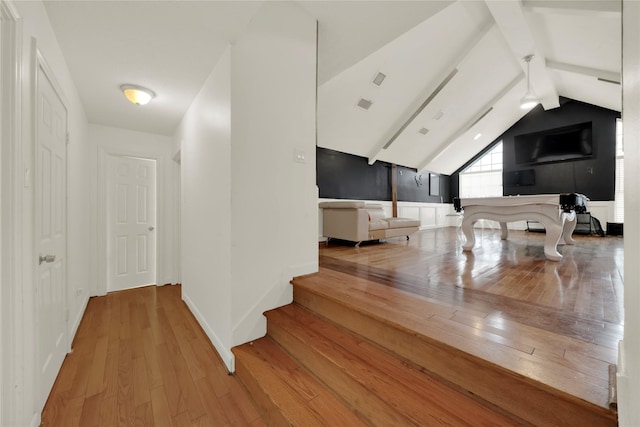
[555, 145]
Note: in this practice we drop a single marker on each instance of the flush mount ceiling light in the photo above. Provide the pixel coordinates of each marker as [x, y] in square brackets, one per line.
[137, 94]
[529, 100]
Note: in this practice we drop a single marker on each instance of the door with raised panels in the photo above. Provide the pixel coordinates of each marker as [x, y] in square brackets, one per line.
[51, 241]
[131, 220]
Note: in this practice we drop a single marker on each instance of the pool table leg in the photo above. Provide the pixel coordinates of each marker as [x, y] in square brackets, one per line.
[569, 225]
[504, 231]
[467, 229]
[554, 231]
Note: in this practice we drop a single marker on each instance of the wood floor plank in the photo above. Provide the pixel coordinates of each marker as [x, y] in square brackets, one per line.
[108, 413]
[90, 416]
[160, 407]
[175, 397]
[95, 382]
[140, 382]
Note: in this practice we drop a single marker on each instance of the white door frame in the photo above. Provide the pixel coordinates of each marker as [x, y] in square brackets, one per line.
[11, 376]
[103, 226]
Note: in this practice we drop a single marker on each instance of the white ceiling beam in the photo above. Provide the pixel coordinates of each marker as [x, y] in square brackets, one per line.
[589, 7]
[586, 71]
[435, 154]
[415, 109]
[510, 19]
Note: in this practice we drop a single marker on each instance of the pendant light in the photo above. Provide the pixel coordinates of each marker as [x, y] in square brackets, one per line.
[529, 100]
[137, 94]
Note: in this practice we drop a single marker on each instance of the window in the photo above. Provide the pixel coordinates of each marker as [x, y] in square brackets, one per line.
[618, 207]
[483, 178]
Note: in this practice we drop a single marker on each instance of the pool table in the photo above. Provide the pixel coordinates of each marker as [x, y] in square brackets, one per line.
[557, 212]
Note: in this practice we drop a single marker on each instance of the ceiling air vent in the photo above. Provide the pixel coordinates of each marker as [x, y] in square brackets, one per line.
[423, 131]
[365, 104]
[378, 79]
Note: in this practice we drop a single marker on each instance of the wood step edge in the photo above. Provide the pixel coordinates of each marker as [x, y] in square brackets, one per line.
[583, 384]
[331, 367]
[254, 375]
[285, 387]
[420, 397]
[445, 361]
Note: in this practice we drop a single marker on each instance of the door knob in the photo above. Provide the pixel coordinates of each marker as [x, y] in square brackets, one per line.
[152, 228]
[46, 258]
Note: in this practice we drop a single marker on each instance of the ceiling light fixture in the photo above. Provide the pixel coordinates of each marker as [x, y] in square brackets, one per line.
[477, 137]
[529, 100]
[137, 94]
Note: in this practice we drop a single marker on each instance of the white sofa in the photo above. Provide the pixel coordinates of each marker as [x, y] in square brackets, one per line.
[357, 222]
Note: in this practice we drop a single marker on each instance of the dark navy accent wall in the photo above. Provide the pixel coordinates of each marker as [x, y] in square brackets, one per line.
[346, 176]
[593, 176]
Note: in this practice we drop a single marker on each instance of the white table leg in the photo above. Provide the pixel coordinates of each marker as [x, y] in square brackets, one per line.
[504, 231]
[570, 222]
[551, 239]
[467, 229]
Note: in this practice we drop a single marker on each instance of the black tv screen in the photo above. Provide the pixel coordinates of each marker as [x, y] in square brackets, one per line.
[555, 145]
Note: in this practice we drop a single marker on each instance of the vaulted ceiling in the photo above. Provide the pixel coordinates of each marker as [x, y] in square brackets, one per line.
[454, 69]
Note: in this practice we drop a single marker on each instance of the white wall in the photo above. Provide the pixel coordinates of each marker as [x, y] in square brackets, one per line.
[273, 90]
[205, 137]
[109, 140]
[629, 353]
[37, 33]
[249, 212]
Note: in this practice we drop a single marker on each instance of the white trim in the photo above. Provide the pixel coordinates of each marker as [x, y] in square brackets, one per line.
[225, 353]
[35, 420]
[103, 227]
[73, 327]
[11, 373]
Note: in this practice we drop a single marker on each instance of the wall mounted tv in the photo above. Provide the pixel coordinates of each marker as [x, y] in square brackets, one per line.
[555, 145]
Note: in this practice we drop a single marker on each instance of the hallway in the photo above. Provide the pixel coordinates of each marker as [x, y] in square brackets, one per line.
[140, 358]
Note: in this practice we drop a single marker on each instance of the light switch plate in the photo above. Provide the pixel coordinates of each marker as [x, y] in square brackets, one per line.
[300, 156]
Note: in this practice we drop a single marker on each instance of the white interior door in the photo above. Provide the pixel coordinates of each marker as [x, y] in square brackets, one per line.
[51, 241]
[131, 222]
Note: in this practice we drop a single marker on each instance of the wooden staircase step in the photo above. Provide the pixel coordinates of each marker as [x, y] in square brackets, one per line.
[284, 392]
[377, 385]
[473, 361]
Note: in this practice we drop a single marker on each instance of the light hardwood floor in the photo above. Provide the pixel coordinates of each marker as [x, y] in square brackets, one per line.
[556, 322]
[140, 358]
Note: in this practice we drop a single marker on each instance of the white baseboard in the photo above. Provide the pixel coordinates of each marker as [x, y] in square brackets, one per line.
[35, 420]
[225, 353]
[77, 320]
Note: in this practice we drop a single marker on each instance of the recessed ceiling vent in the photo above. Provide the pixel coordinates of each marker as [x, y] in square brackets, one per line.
[365, 104]
[423, 131]
[378, 79]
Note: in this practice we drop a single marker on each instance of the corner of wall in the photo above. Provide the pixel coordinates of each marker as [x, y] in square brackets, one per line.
[253, 324]
[224, 352]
